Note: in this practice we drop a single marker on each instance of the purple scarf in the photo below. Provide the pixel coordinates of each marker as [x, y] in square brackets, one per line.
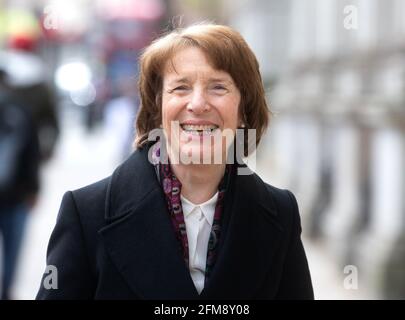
[172, 190]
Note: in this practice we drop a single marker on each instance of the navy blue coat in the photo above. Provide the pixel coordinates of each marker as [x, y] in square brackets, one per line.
[114, 240]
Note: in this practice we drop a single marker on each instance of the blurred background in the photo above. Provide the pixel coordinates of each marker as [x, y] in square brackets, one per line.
[334, 71]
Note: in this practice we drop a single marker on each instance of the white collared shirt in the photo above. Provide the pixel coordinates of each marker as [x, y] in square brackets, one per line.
[198, 220]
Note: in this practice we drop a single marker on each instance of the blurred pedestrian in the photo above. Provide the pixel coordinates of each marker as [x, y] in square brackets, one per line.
[27, 76]
[19, 181]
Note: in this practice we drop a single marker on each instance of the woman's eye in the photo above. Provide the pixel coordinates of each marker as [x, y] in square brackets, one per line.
[219, 87]
[180, 88]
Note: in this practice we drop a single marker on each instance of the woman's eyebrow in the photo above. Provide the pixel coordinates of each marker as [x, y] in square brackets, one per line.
[209, 80]
[225, 80]
[178, 80]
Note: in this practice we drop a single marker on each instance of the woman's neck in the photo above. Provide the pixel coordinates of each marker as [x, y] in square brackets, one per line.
[199, 182]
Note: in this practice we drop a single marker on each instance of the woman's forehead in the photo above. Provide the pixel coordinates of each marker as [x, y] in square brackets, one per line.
[190, 63]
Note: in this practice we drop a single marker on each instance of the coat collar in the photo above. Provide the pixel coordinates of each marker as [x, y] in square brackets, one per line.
[141, 242]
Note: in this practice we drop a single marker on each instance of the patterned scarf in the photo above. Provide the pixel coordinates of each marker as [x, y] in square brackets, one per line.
[172, 190]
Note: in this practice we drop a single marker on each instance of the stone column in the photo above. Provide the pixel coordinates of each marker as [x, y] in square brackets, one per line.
[381, 251]
[342, 215]
[307, 163]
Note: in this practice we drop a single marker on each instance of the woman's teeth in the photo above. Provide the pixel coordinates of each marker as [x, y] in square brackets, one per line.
[199, 129]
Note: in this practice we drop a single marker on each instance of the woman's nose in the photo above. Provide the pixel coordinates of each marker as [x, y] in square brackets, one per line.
[198, 102]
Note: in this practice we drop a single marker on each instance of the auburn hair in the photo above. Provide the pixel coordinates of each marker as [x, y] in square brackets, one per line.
[227, 51]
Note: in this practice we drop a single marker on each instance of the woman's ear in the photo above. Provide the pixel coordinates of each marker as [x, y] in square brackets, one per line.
[241, 124]
[241, 119]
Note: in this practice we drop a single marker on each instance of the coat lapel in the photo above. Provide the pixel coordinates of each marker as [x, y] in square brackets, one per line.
[141, 242]
[140, 238]
[251, 239]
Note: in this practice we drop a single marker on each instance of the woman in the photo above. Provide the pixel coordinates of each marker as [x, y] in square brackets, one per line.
[180, 219]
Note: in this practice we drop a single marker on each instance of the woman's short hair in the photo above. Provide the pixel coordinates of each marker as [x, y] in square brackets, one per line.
[227, 51]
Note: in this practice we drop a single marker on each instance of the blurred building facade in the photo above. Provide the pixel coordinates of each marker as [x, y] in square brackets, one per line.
[337, 90]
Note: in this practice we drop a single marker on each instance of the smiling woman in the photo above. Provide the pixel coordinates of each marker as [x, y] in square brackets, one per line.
[204, 101]
[180, 229]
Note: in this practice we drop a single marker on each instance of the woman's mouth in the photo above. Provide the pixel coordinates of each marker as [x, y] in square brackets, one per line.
[199, 130]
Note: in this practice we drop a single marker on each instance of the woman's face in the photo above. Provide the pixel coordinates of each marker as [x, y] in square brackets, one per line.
[199, 108]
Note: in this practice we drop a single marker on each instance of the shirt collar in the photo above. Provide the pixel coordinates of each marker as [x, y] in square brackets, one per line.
[207, 207]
